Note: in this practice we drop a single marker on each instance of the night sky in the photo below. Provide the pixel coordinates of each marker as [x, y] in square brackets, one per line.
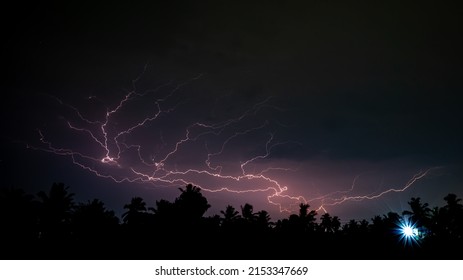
[330, 104]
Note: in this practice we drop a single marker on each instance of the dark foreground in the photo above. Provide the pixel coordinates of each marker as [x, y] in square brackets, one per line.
[51, 226]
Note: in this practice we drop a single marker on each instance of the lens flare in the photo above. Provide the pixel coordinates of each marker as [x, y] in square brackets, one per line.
[408, 232]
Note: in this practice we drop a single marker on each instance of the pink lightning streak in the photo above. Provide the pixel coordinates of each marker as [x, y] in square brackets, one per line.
[113, 156]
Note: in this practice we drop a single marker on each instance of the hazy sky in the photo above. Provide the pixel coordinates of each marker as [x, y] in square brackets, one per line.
[313, 102]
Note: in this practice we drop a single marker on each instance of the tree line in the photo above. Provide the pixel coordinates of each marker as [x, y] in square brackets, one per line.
[51, 225]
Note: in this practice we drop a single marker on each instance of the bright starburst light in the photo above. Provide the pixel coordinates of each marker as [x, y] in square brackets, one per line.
[408, 232]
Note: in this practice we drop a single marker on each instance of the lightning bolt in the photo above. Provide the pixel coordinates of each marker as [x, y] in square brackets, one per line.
[112, 154]
[331, 200]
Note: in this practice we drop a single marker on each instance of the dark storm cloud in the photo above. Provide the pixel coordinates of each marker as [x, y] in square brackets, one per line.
[344, 81]
[358, 79]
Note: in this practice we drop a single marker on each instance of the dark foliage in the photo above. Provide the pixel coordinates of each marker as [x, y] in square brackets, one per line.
[52, 226]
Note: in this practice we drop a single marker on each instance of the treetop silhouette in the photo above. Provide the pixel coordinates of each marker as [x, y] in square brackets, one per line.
[52, 225]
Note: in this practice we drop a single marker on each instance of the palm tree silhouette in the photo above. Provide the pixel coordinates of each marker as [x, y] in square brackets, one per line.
[351, 228]
[247, 212]
[453, 203]
[378, 225]
[335, 224]
[263, 220]
[326, 223]
[165, 210]
[420, 213]
[56, 210]
[92, 218]
[364, 226]
[453, 213]
[135, 210]
[191, 203]
[307, 219]
[230, 215]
